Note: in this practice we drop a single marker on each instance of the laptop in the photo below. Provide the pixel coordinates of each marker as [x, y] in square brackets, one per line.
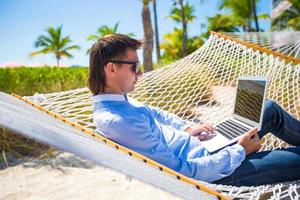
[247, 113]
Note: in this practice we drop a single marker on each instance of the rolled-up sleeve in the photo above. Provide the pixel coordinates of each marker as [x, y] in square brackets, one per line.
[135, 133]
[168, 118]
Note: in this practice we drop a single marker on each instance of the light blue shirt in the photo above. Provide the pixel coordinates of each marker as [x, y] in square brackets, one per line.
[160, 136]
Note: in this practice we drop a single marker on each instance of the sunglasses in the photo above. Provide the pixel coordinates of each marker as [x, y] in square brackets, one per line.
[135, 66]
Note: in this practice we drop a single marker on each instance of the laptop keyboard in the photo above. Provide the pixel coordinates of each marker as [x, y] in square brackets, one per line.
[231, 129]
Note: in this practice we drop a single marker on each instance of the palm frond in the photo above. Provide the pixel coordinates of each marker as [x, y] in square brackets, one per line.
[53, 42]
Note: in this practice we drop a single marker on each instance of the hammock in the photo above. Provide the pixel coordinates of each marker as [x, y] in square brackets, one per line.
[198, 88]
[285, 42]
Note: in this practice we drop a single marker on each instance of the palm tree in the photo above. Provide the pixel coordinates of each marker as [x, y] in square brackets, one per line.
[156, 31]
[148, 37]
[173, 48]
[221, 23]
[183, 13]
[184, 29]
[106, 30]
[289, 18]
[243, 12]
[54, 43]
[254, 11]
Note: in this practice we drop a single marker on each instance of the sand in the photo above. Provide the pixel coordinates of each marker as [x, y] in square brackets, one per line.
[66, 176]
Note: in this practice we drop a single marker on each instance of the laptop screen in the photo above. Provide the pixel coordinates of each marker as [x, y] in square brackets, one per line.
[249, 99]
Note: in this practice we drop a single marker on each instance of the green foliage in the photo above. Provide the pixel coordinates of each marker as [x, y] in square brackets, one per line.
[188, 11]
[221, 23]
[290, 18]
[28, 80]
[106, 30]
[172, 48]
[241, 13]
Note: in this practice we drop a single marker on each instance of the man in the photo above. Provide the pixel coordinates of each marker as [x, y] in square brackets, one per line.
[169, 140]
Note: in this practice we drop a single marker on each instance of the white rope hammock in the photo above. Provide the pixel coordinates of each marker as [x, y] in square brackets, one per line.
[198, 88]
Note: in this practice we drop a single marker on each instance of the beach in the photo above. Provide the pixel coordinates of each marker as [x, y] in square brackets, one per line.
[67, 177]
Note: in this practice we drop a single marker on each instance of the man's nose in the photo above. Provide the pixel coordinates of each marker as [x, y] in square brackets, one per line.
[139, 73]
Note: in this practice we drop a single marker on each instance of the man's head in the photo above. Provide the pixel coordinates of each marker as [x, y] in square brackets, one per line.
[113, 65]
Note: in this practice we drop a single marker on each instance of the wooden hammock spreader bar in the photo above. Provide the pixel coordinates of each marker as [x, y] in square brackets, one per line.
[259, 48]
[125, 150]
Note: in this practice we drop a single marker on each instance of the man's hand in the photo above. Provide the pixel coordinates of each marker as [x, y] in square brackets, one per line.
[202, 131]
[250, 141]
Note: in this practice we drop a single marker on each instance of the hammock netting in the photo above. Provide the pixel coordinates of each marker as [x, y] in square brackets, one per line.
[201, 88]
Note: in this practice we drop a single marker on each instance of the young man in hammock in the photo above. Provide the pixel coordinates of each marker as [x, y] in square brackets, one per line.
[169, 140]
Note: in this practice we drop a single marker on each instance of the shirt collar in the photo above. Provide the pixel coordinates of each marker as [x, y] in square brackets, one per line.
[110, 97]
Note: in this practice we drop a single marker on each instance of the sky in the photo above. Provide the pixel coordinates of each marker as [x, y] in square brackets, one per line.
[22, 21]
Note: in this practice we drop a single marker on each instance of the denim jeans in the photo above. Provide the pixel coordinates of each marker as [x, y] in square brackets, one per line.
[274, 166]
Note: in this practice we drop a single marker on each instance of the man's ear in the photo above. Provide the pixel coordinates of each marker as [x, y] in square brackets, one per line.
[109, 69]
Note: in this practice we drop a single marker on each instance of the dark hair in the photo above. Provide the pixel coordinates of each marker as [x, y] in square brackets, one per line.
[107, 48]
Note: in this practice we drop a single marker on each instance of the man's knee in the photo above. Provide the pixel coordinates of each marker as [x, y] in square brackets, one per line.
[270, 111]
[270, 105]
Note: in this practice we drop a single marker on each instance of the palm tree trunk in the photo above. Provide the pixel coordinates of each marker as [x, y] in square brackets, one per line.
[184, 30]
[249, 25]
[255, 15]
[148, 37]
[57, 60]
[158, 56]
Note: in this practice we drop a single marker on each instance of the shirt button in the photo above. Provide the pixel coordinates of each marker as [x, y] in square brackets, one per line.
[152, 150]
